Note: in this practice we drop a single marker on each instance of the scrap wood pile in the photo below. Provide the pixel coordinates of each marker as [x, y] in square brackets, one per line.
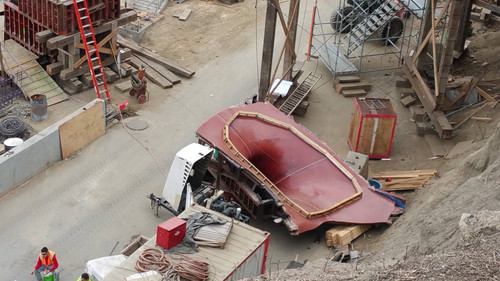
[404, 180]
[161, 70]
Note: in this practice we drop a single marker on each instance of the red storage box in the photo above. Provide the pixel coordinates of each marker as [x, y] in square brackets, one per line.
[372, 127]
[171, 232]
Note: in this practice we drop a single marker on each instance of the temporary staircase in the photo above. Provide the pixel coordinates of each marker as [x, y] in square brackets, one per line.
[90, 46]
[300, 93]
[371, 23]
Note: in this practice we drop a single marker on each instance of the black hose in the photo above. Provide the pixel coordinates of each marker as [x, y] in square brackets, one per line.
[12, 127]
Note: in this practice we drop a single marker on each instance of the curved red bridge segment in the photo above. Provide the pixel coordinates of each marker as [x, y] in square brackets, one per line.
[308, 176]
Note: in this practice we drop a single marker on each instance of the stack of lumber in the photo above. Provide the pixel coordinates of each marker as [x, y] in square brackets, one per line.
[404, 180]
[342, 235]
[351, 86]
[162, 71]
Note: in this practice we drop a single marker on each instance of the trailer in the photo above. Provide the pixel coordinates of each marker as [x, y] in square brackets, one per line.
[243, 256]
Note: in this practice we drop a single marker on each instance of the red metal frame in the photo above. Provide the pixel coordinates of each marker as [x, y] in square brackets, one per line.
[61, 18]
[355, 147]
[22, 29]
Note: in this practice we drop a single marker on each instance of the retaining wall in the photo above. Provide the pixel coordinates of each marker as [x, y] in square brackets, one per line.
[35, 154]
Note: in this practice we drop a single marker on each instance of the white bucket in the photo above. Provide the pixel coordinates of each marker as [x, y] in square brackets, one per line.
[12, 142]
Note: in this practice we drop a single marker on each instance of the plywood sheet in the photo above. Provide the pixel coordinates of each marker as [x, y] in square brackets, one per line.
[383, 136]
[82, 129]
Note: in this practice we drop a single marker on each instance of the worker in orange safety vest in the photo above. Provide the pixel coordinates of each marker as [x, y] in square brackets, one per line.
[46, 263]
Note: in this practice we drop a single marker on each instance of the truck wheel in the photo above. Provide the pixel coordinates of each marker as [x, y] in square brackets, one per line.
[391, 30]
[343, 19]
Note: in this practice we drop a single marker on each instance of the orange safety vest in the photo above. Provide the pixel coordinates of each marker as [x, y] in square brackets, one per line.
[47, 261]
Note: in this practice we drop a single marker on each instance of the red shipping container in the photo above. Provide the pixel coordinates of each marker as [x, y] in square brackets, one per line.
[171, 232]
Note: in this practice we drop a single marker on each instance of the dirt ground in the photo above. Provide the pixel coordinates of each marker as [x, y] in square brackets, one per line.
[424, 243]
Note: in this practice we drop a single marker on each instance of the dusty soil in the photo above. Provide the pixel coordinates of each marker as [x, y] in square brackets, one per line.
[424, 243]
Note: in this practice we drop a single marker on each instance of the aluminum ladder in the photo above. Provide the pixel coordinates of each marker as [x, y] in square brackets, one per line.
[300, 93]
[91, 51]
[373, 22]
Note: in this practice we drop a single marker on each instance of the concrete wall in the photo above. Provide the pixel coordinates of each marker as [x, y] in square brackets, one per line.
[34, 155]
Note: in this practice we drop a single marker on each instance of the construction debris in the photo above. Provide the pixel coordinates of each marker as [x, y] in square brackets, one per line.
[404, 180]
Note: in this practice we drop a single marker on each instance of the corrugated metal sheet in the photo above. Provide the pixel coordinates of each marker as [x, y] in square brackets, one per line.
[243, 254]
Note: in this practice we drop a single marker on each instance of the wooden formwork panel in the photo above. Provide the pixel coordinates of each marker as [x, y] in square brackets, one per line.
[60, 17]
[22, 29]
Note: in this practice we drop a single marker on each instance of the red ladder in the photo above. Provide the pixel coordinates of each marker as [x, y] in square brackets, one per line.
[87, 31]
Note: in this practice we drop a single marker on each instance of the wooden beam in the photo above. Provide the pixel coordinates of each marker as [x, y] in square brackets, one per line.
[152, 74]
[166, 62]
[267, 51]
[103, 50]
[63, 40]
[485, 95]
[424, 42]
[446, 60]
[99, 45]
[161, 69]
[43, 36]
[423, 91]
[69, 73]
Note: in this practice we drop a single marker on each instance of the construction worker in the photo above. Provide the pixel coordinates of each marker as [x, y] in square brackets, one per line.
[84, 277]
[46, 263]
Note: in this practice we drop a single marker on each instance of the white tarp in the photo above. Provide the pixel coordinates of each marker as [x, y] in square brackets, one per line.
[100, 267]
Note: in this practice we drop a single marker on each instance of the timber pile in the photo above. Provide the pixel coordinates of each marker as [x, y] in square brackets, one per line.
[404, 180]
[160, 70]
[342, 235]
[351, 86]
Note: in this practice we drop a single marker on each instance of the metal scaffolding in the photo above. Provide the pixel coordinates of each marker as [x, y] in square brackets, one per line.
[368, 35]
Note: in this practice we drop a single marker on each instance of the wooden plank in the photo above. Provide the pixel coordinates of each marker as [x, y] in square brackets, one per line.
[152, 74]
[466, 91]
[485, 95]
[82, 129]
[483, 119]
[185, 14]
[459, 148]
[342, 235]
[161, 69]
[435, 145]
[69, 73]
[168, 63]
[43, 36]
[383, 136]
[99, 45]
[123, 87]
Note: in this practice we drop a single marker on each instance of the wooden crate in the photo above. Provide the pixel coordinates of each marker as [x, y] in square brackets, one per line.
[372, 127]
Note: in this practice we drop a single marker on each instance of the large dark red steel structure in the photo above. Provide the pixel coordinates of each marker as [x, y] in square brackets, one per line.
[276, 168]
